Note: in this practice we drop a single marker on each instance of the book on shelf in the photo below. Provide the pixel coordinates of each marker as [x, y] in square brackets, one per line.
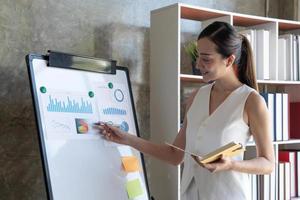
[254, 186]
[295, 58]
[298, 57]
[260, 42]
[281, 120]
[228, 150]
[290, 156]
[269, 99]
[282, 62]
[285, 117]
[289, 57]
[288, 68]
[298, 173]
[288, 38]
[265, 186]
[281, 180]
[273, 184]
[287, 180]
[278, 116]
[263, 51]
[295, 120]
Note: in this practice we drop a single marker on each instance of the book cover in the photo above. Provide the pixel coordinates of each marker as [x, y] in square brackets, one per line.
[295, 120]
[285, 117]
[278, 116]
[290, 156]
[230, 149]
[282, 68]
[289, 56]
[262, 41]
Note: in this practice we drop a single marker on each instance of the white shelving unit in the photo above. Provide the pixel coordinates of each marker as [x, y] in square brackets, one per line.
[166, 78]
[199, 79]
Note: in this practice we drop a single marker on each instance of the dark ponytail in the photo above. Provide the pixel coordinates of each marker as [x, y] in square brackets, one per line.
[246, 68]
[228, 42]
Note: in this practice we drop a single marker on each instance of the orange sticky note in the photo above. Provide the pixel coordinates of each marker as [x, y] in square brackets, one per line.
[130, 163]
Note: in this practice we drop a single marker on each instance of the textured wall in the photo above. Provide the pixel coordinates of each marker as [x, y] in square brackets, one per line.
[110, 29]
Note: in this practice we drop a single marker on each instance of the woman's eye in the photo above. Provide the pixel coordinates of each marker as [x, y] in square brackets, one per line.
[205, 60]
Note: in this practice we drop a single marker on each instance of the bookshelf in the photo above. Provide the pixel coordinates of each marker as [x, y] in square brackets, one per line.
[198, 79]
[167, 79]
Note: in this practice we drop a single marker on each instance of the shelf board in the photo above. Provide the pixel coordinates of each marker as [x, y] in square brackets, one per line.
[248, 20]
[288, 25]
[199, 79]
[199, 15]
[191, 78]
[276, 82]
[292, 141]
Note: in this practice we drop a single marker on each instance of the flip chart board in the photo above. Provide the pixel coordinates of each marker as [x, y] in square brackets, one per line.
[78, 163]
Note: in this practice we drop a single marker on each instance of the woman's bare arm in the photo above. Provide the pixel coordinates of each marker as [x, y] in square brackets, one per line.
[160, 151]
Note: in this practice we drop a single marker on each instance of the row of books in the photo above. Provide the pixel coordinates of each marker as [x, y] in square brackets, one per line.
[283, 183]
[284, 116]
[264, 187]
[288, 57]
[260, 43]
[288, 68]
[278, 106]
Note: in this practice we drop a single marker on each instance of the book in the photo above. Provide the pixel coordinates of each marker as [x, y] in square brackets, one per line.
[269, 99]
[282, 68]
[230, 149]
[281, 181]
[298, 57]
[285, 117]
[295, 59]
[263, 48]
[254, 186]
[278, 116]
[287, 180]
[298, 173]
[290, 156]
[289, 56]
[294, 120]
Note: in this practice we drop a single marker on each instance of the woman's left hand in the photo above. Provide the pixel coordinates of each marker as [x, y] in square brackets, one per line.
[222, 164]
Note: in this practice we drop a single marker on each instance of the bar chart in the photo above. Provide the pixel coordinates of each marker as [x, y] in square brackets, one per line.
[69, 105]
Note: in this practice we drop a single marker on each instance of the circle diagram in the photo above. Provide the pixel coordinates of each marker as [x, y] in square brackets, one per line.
[124, 126]
[119, 96]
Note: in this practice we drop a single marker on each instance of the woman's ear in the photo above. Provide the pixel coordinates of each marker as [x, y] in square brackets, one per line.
[230, 60]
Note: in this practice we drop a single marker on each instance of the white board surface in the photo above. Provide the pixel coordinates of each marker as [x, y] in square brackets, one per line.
[78, 162]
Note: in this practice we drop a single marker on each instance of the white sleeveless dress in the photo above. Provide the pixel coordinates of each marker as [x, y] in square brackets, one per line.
[205, 133]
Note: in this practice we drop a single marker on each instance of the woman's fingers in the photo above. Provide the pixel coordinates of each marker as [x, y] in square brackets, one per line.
[109, 132]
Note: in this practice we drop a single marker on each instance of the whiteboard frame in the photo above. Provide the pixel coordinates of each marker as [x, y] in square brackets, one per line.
[29, 58]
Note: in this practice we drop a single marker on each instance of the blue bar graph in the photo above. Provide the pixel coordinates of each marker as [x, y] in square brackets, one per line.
[114, 111]
[71, 106]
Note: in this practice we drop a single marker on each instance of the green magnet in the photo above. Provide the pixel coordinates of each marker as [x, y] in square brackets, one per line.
[43, 89]
[91, 94]
[110, 85]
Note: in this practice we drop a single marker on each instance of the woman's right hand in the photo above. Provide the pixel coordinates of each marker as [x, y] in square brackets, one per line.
[112, 133]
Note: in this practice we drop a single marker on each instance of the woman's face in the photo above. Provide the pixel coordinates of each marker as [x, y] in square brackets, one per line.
[211, 64]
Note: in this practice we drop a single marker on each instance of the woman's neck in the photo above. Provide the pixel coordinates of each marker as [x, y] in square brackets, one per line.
[227, 83]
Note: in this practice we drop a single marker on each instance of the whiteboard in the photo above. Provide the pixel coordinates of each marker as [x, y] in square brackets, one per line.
[78, 163]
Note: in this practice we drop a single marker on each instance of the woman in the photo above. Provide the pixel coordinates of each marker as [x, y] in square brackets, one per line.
[227, 109]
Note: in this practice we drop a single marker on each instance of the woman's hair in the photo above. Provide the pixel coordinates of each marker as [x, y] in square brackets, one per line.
[228, 42]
